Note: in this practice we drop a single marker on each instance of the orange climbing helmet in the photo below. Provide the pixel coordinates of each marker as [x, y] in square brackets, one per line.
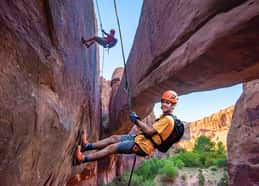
[171, 96]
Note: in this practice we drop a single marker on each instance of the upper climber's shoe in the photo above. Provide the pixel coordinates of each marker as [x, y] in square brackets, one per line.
[83, 40]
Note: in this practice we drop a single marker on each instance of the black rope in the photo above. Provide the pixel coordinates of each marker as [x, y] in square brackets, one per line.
[127, 86]
[102, 63]
[99, 15]
[132, 169]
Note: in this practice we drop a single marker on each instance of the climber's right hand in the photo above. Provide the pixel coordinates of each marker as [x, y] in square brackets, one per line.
[134, 117]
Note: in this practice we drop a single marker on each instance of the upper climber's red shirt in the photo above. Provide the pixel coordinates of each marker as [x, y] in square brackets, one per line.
[109, 38]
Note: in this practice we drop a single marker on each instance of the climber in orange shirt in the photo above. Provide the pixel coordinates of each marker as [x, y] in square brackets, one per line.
[108, 41]
[166, 131]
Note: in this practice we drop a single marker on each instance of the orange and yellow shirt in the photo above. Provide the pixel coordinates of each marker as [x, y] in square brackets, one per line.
[164, 127]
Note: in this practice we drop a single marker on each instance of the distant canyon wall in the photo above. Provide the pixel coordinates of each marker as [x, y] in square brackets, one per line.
[215, 127]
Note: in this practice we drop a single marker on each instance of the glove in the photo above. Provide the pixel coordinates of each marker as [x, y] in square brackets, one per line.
[134, 117]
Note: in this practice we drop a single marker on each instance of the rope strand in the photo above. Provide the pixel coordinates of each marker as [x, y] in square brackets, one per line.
[102, 63]
[127, 86]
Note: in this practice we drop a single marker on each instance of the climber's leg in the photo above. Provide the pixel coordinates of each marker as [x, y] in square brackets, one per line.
[101, 41]
[90, 39]
[88, 42]
[110, 149]
[100, 144]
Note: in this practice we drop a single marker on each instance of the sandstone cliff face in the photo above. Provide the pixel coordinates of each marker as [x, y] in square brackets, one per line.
[243, 141]
[189, 46]
[215, 127]
[105, 87]
[48, 89]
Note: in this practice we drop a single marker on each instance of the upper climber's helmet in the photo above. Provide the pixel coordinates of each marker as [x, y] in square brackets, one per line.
[112, 31]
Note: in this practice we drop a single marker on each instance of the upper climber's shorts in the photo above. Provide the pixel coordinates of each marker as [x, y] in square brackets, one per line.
[127, 145]
[101, 41]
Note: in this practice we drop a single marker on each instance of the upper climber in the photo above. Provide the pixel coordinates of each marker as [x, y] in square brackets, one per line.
[108, 41]
[166, 131]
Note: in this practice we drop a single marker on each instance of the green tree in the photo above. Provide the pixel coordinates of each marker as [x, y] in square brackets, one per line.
[220, 148]
[203, 144]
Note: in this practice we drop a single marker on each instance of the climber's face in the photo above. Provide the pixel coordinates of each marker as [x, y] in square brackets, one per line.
[166, 106]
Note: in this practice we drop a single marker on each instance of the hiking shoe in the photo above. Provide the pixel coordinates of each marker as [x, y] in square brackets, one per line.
[79, 154]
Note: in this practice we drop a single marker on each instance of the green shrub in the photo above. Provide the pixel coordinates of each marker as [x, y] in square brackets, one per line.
[136, 180]
[177, 161]
[220, 149]
[208, 159]
[169, 171]
[149, 168]
[190, 159]
[203, 144]
[149, 182]
[220, 162]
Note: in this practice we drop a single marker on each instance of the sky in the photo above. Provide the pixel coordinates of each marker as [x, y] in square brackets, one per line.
[190, 107]
[129, 12]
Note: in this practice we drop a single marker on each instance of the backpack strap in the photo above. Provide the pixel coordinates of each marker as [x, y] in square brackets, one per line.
[161, 139]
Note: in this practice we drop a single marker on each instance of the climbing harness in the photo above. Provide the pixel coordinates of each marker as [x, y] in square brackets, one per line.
[111, 44]
[127, 86]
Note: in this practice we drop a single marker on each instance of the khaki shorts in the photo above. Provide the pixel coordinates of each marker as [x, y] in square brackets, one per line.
[127, 145]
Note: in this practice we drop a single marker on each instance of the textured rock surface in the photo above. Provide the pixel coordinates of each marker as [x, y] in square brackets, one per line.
[243, 138]
[189, 46]
[48, 90]
[215, 126]
[106, 92]
[105, 99]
